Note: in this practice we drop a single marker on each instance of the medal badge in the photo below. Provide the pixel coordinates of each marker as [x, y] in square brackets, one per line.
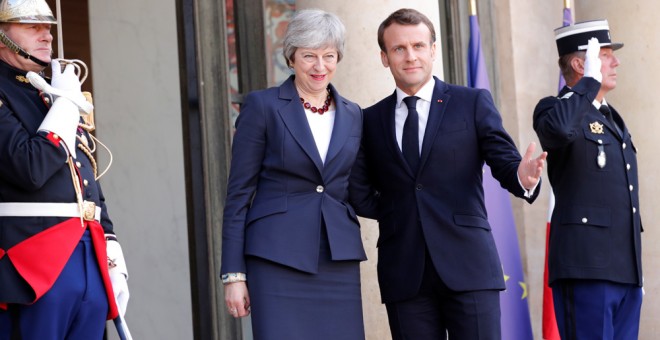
[601, 159]
[596, 128]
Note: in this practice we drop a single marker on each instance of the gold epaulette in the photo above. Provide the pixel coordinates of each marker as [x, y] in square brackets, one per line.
[89, 118]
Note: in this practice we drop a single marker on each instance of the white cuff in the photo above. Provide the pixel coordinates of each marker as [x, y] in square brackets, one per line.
[528, 193]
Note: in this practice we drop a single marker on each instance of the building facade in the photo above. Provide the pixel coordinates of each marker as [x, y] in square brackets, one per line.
[167, 77]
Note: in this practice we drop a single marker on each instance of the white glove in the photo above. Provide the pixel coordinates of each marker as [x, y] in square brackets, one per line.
[118, 274]
[592, 60]
[62, 118]
[64, 84]
[66, 80]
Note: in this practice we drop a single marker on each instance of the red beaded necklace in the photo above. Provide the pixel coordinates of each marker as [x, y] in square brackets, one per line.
[314, 109]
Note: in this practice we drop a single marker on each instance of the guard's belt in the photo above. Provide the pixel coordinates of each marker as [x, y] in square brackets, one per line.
[25, 209]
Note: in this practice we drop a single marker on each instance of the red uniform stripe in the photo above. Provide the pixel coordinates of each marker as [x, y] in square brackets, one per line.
[98, 239]
[550, 329]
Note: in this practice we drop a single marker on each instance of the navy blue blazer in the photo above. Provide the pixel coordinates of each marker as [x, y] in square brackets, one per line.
[280, 192]
[596, 226]
[441, 207]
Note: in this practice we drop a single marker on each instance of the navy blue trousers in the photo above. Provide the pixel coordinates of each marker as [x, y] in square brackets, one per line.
[595, 309]
[437, 312]
[75, 308]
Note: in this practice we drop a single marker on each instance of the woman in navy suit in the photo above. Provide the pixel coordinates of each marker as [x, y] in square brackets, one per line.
[291, 243]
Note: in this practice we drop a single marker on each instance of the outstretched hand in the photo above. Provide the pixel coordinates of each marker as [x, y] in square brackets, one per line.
[530, 170]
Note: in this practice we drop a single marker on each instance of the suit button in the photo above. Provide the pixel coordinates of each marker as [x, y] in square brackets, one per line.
[623, 146]
[584, 220]
[320, 189]
[78, 164]
[418, 187]
[600, 141]
[634, 210]
[627, 166]
[85, 182]
[630, 187]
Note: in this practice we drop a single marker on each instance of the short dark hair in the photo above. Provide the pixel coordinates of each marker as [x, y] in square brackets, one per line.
[566, 68]
[404, 16]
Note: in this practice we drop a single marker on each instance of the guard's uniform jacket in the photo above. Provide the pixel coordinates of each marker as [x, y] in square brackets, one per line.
[34, 168]
[596, 225]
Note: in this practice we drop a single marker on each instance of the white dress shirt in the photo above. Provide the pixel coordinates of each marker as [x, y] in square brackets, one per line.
[425, 95]
[321, 126]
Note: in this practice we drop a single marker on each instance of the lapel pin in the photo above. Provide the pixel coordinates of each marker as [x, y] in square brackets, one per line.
[439, 100]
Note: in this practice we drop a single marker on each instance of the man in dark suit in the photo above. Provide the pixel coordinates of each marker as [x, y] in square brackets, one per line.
[438, 267]
[595, 237]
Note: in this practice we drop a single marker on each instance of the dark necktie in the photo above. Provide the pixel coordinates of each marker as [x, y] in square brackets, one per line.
[410, 137]
[605, 110]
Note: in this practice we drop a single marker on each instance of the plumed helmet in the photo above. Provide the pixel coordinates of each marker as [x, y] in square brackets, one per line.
[26, 12]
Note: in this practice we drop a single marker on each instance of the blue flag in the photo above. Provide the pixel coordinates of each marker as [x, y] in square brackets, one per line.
[516, 323]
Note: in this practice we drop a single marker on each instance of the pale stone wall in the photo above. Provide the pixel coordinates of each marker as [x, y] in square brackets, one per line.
[138, 108]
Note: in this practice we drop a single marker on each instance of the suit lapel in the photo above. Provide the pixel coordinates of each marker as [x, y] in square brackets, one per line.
[341, 130]
[439, 103]
[293, 116]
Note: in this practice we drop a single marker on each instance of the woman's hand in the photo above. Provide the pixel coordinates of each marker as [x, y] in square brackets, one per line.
[237, 299]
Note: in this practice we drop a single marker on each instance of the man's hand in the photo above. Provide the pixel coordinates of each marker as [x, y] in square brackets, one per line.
[530, 170]
[237, 299]
[592, 61]
[65, 80]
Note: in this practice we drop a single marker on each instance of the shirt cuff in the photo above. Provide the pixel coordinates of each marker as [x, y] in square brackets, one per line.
[528, 193]
[233, 277]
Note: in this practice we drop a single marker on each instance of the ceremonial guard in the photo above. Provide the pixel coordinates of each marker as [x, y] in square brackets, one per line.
[595, 252]
[62, 271]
